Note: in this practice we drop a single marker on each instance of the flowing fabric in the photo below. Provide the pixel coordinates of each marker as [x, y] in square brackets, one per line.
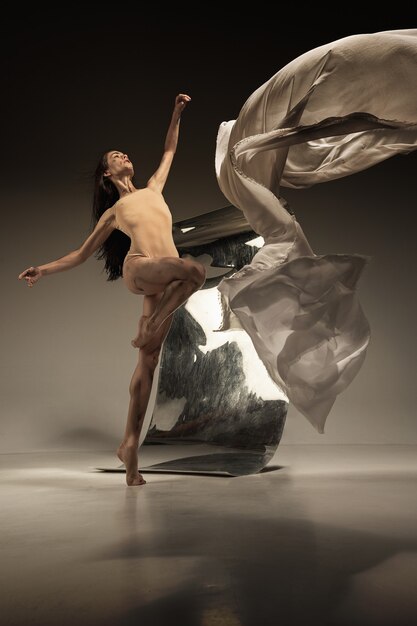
[333, 111]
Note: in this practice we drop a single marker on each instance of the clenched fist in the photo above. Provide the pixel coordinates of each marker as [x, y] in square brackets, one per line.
[181, 101]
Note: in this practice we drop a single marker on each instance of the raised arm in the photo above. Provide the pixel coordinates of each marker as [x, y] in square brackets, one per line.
[158, 179]
[102, 230]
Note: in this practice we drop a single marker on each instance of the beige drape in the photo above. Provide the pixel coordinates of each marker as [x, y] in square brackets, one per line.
[331, 112]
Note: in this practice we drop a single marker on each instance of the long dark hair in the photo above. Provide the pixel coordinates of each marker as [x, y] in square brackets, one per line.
[114, 249]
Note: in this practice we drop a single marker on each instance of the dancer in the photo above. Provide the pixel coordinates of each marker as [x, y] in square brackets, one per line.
[331, 112]
[138, 219]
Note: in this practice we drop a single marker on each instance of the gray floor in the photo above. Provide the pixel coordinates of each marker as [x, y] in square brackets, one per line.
[327, 536]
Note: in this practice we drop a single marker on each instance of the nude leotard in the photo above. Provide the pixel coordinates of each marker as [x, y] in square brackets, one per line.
[136, 254]
[129, 253]
[144, 216]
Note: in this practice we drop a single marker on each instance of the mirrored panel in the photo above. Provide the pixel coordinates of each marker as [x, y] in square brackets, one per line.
[216, 408]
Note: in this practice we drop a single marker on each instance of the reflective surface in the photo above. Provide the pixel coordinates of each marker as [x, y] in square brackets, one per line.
[214, 394]
[324, 535]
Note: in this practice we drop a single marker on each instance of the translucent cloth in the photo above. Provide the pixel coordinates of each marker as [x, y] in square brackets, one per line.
[333, 111]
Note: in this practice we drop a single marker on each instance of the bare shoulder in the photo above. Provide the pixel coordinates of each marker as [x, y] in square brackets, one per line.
[152, 185]
[155, 190]
[109, 215]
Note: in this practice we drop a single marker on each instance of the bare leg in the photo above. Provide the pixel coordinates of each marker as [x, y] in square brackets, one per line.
[171, 278]
[175, 294]
[140, 390]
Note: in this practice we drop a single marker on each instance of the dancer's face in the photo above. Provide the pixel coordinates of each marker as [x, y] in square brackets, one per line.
[118, 164]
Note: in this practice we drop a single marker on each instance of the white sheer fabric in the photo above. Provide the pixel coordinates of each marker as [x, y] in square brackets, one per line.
[331, 112]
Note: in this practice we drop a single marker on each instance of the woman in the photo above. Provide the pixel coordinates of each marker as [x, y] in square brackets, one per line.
[151, 267]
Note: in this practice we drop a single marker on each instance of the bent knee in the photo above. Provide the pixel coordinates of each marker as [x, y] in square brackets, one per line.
[197, 274]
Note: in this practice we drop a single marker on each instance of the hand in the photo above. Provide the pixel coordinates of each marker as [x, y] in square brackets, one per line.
[181, 102]
[31, 275]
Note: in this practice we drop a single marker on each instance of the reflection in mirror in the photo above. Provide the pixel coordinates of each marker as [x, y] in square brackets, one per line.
[216, 408]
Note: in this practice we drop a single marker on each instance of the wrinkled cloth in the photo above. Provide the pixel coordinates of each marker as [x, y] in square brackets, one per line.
[333, 111]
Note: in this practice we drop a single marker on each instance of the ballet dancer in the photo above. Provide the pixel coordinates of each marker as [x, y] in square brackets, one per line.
[133, 233]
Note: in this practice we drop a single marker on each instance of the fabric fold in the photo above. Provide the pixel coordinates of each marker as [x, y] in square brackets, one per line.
[334, 111]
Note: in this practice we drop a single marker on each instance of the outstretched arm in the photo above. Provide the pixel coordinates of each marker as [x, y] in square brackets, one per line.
[102, 230]
[158, 179]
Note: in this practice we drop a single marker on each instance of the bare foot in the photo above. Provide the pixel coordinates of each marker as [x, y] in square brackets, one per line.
[128, 454]
[145, 333]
